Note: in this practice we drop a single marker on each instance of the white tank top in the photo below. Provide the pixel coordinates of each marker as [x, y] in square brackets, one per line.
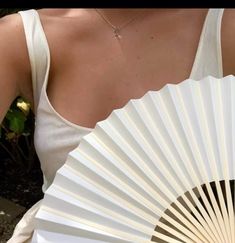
[55, 136]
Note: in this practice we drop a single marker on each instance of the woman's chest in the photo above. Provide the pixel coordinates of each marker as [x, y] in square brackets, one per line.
[91, 77]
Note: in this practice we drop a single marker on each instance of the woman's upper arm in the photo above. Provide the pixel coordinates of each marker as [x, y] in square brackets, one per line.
[228, 41]
[15, 77]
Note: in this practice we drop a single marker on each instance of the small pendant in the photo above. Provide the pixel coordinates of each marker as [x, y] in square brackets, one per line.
[117, 33]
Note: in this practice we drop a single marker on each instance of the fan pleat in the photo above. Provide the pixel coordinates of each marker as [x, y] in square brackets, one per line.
[45, 236]
[89, 194]
[58, 222]
[93, 216]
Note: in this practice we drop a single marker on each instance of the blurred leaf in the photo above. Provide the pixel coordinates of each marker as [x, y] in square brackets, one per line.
[23, 106]
[16, 120]
[10, 135]
[26, 134]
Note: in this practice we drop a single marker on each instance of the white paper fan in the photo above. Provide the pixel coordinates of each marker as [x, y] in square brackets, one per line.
[160, 169]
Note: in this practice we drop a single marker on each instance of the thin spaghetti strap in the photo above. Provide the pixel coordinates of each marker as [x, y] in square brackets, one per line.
[37, 49]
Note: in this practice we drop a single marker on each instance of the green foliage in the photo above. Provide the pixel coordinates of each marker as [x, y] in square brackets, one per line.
[17, 116]
[17, 135]
[16, 121]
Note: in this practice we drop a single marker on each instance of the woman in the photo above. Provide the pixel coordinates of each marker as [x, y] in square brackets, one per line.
[76, 65]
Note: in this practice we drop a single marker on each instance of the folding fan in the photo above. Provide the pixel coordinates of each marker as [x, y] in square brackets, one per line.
[160, 169]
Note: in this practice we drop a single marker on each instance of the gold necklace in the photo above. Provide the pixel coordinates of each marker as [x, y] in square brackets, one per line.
[116, 29]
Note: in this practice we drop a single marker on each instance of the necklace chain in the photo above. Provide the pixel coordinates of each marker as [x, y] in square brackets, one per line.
[116, 29]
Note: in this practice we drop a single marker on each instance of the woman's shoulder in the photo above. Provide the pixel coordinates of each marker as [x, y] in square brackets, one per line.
[14, 62]
[62, 13]
[10, 25]
[228, 41]
[55, 12]
[62, 23]
[12, 41]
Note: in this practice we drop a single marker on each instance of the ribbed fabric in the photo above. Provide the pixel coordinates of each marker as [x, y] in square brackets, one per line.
[55, 136]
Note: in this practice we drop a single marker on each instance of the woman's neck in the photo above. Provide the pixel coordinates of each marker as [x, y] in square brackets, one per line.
[118, 16]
